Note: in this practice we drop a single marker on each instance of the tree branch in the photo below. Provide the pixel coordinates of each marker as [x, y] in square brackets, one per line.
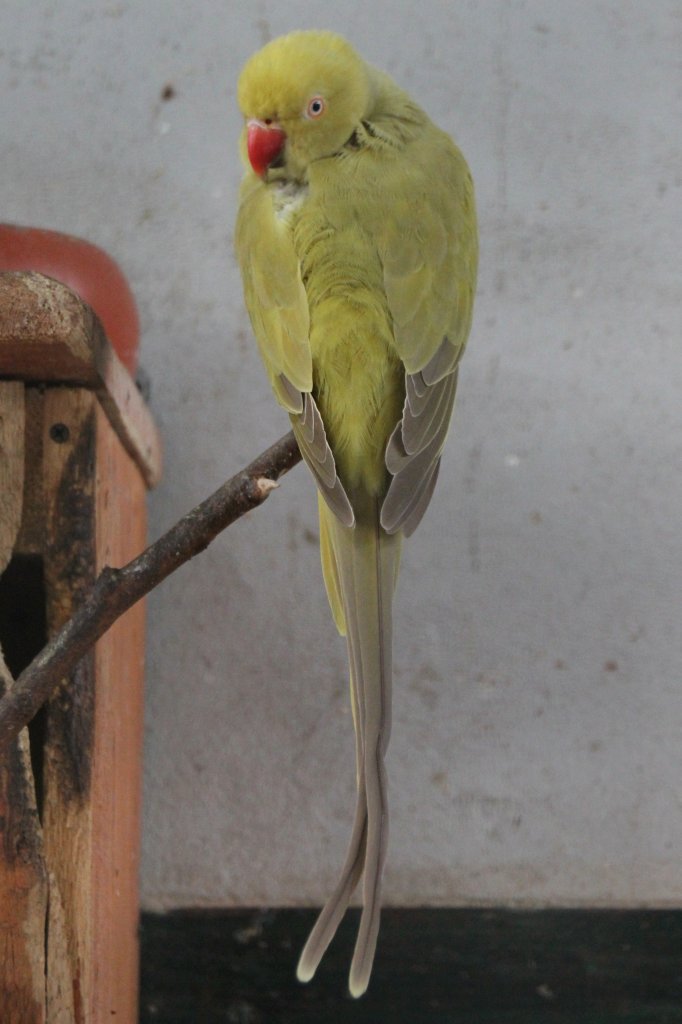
[116, 590]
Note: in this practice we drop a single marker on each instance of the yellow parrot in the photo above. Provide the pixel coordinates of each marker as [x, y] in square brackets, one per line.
[356, 237]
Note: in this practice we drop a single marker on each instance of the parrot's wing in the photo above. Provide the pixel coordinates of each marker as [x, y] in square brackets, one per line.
[414, 449]
[429, 255]
[312, 440]
[274, 294]
[278, 308]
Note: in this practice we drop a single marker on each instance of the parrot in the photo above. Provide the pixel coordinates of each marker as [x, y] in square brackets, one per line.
[357, 244]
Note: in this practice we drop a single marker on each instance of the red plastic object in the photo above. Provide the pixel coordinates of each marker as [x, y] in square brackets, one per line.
[84, 268]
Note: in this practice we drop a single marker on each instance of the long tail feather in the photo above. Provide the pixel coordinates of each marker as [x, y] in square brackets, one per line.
[365, 567]
[332, 912]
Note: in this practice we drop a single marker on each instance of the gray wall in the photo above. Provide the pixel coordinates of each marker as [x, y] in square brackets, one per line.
[538, 719]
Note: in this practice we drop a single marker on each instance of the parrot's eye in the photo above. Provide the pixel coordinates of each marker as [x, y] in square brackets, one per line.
[316, 107]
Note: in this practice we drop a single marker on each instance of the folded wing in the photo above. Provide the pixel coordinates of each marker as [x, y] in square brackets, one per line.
[278, 308]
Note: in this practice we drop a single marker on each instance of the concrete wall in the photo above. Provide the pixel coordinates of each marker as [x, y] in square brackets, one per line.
[538, 717]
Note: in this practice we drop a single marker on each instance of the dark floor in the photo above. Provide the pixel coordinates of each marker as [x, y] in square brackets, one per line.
[432, 967]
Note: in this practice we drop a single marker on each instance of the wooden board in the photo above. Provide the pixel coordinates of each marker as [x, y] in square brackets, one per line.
[12, 429]
[68, 418]
[48, 335]
[117, 755]
[23, 878]
[95, 515]
[77, 450]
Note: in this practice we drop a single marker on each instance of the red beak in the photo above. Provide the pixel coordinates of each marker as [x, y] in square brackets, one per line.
[264, 143]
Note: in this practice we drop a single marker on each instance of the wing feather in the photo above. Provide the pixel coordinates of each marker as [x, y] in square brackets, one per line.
[414, 448]
[287, 395]
[413, 454]
[443, 361]
[413, 516]
[312, 440]
[418, 428]
[429, 257]
[278, 307]
[274, 293]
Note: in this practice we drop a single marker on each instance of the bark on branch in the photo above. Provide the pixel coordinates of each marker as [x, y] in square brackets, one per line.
[116, 590]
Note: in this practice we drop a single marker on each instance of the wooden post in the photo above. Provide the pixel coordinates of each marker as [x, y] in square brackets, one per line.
[78, 450]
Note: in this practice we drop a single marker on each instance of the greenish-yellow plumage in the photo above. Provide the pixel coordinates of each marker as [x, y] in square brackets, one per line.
[356, 238]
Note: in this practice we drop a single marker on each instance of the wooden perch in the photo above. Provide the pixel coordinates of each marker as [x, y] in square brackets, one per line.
[116, 590]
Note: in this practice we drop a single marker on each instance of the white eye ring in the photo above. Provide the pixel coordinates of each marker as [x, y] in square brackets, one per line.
[316, 107]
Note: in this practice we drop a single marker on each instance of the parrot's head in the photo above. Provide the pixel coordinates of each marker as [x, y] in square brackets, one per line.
[301, 96]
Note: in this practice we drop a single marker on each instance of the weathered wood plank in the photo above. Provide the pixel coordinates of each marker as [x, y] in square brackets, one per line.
[95, 515]
[48, 335]
[77, 445]
[68, 419]
[12, 418]
[46, 332]
[120, 503]
[32, 532]
[23, 889]
[23, 881]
